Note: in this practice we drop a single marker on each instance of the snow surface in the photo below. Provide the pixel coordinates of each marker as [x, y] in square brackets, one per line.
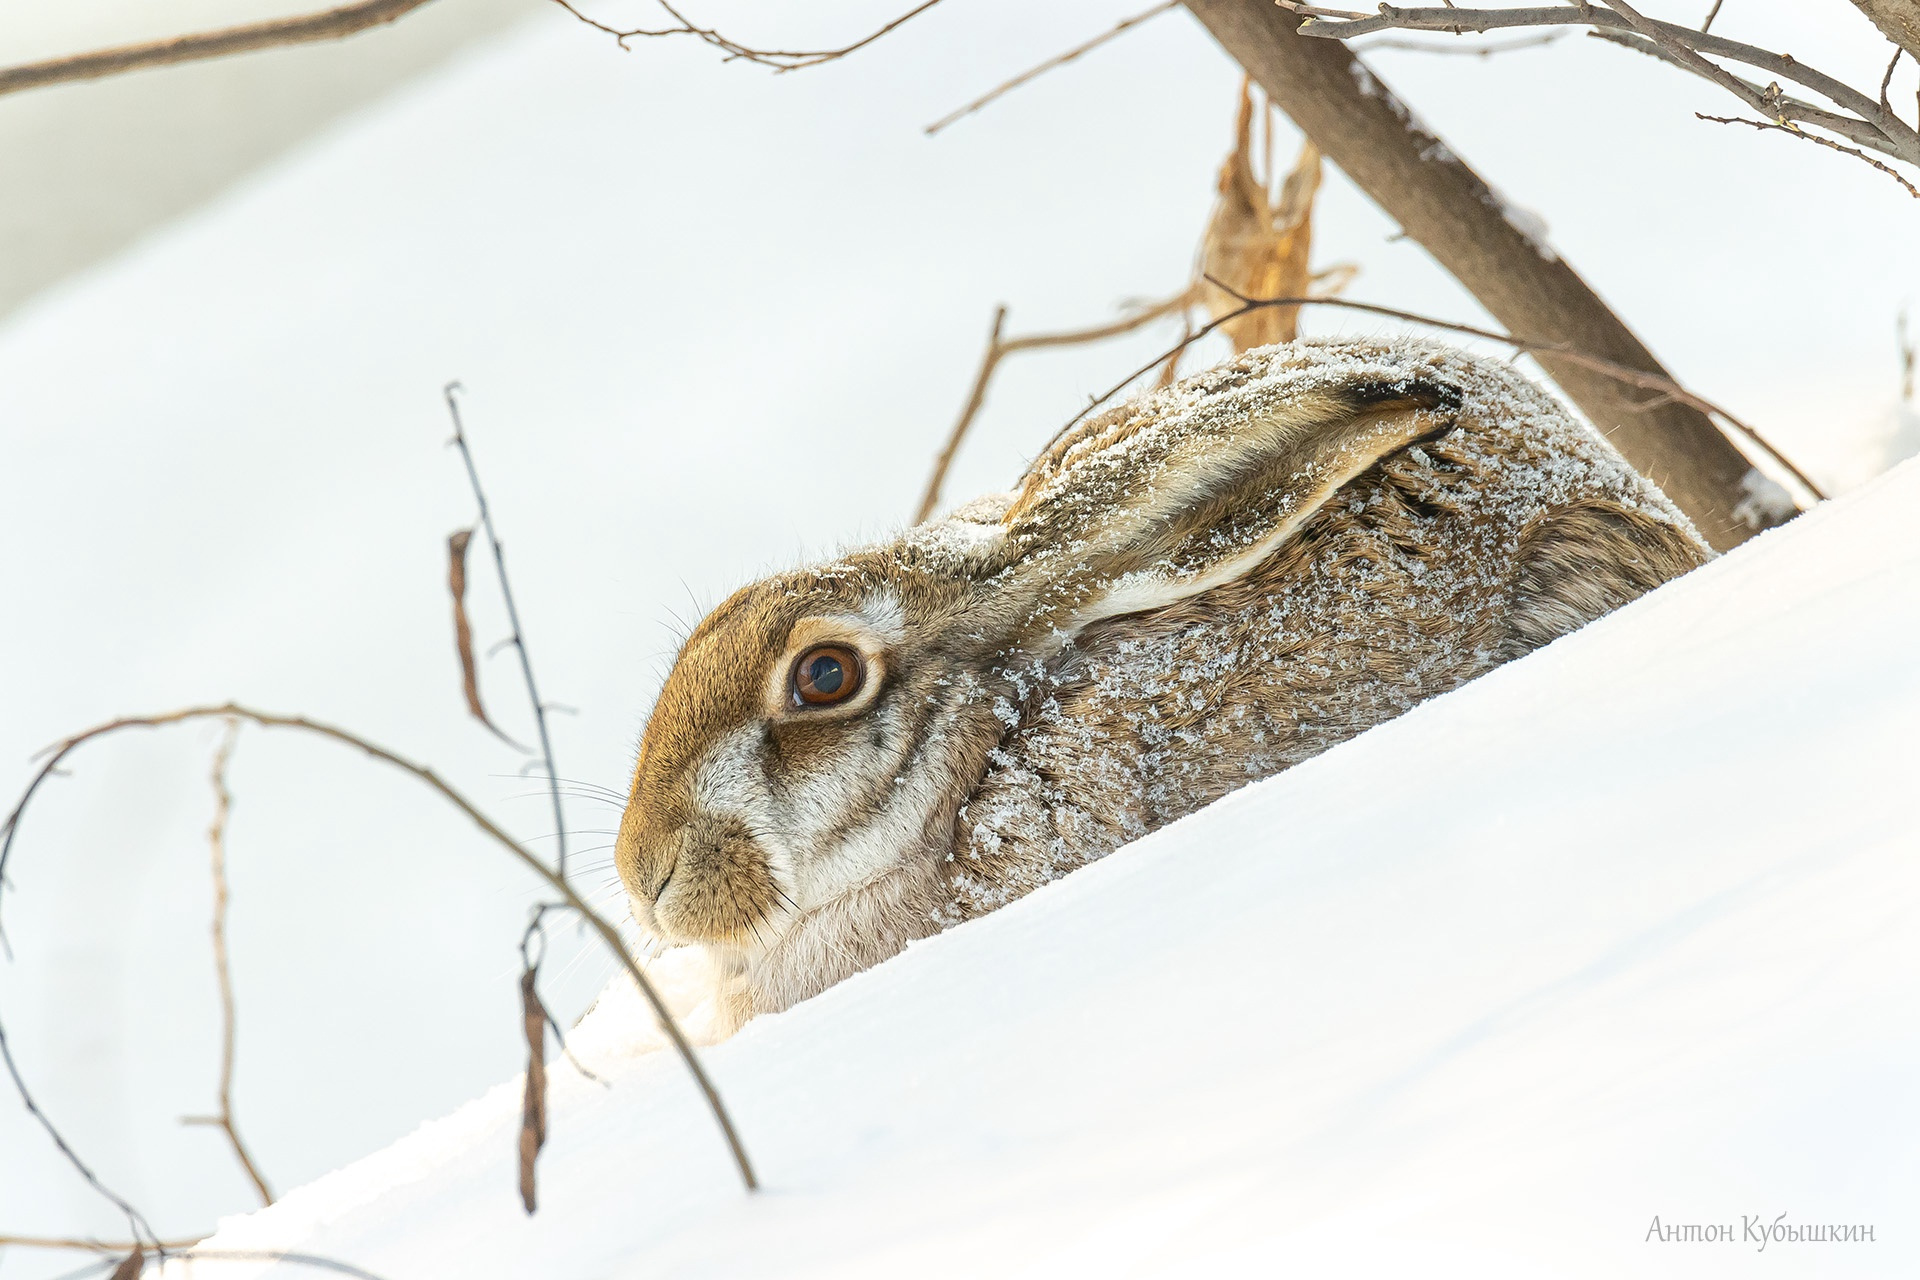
[1628, 928]
[663, 281]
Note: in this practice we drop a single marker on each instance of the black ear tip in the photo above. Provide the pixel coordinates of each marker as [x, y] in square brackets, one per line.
[1424, 392]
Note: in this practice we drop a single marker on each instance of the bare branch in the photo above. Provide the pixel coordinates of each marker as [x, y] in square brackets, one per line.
[217, 844]
[138, 1227]
[332, 24]
[53, 756]
[1663, 387]
[1770, 100]
[1790, 131]
[997, 350]
[1058, 60]
[777, 59]
[517, 639]
[1877, 127]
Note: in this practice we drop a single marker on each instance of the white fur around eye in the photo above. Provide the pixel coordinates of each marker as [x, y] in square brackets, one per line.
[880, 625]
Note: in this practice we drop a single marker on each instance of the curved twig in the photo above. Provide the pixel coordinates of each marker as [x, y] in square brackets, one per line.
[997, 351]
[137, 1224]
[52, 757]
[1632, 377]
[778, 59]
[1804, 136]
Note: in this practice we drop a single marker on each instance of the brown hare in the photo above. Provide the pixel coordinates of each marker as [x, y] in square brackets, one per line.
[1182, 595]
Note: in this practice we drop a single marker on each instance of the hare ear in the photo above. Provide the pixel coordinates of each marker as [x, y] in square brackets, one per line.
[1138, 511]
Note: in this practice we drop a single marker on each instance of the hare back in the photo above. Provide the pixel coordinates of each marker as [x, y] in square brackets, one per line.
[1441, 561]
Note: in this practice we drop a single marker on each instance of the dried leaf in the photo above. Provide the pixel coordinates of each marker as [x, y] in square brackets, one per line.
[463, 630]
[533, 1110]
[1258, 248]
[132, 1265]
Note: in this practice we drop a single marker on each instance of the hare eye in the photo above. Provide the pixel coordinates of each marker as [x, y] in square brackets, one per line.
[826, 674]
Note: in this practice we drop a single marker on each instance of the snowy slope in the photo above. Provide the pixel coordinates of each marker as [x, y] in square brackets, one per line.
[665, 282]
[1628, 928]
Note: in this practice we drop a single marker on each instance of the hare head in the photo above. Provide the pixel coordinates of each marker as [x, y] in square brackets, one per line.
[800, 780]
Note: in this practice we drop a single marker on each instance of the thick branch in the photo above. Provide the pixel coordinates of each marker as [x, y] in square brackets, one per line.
[1441, 202]
[332, 24]
[1898, 20]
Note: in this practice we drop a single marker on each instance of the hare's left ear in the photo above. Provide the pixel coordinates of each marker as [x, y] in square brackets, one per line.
[1137, 511]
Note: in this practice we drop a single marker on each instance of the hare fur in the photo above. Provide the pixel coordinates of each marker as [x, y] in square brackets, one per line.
[1183, 595]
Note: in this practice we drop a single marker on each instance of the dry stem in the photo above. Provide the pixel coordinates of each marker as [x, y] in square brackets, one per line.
[997, 350]
[217, 843]
[778, 59]
[1804, 136]
[52, 758]
[518, 639]
[1058, 60]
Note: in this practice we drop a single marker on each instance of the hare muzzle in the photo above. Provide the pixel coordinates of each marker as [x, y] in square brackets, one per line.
[705, 881]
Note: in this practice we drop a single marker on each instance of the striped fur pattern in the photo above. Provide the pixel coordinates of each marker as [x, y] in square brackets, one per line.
[1181, 596]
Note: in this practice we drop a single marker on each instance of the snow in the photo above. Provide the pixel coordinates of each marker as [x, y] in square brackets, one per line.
[664, 282]
[1623, 931]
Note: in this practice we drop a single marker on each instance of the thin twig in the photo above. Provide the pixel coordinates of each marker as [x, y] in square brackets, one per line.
[217, 843]
[52, 757]
[997, 350]
[137, 1224]
[777, 59]
[1058, 60]
[1557, 350]
[331, 24]
[1814, 137]
[518, 638]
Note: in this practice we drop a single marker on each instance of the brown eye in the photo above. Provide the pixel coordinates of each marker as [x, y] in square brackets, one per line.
[826, 674]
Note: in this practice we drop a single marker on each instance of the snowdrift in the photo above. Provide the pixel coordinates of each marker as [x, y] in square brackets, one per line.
[1568, 973]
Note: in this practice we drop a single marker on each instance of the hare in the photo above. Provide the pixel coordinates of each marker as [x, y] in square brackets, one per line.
[1182, 595]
